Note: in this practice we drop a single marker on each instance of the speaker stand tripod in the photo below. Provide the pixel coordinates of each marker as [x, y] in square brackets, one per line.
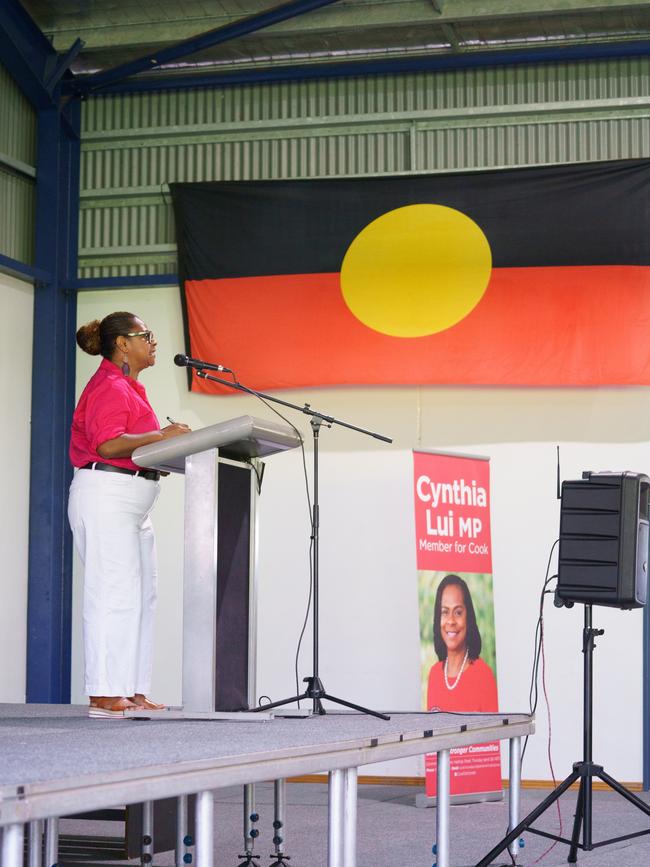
[584, 771]
[315, 691]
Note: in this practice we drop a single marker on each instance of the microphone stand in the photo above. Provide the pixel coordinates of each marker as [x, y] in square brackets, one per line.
[314, 689]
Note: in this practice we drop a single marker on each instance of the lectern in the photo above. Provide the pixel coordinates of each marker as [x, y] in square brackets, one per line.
[222, 469]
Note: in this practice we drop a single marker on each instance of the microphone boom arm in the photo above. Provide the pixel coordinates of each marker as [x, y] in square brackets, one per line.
[305, 408]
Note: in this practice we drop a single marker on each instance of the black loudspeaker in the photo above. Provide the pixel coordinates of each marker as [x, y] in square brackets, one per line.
[603, 557]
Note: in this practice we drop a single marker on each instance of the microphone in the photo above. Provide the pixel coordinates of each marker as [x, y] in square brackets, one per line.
[186, 361]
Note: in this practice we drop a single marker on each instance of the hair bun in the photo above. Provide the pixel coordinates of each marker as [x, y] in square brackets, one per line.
[88, 337]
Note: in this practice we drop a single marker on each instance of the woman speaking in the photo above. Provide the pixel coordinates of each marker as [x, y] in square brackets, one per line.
[461, 681]
[109, 509]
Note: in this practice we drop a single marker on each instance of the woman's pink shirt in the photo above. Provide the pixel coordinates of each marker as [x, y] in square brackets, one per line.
[111, 404]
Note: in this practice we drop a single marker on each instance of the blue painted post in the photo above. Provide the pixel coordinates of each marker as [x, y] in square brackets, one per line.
[53, 393]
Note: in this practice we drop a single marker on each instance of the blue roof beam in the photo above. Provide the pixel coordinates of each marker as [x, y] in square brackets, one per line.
[26, 53]
[63, 62]
[250, 24]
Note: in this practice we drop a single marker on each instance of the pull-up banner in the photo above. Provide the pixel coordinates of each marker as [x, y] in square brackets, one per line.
[457, 640]
[510, 277]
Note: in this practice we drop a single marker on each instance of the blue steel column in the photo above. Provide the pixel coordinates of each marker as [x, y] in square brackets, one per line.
[53, 392]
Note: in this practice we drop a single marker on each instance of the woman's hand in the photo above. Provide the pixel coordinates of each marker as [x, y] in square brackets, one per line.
[174, 430]
[124, 446]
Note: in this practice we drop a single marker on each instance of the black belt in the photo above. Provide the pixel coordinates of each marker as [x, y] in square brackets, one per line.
[152, 475]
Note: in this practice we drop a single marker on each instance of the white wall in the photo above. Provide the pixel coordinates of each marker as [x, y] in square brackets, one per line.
[369, 641]
[17, 304]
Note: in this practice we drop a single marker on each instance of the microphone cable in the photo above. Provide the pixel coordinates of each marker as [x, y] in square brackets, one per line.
[311, 531]
[533, 693]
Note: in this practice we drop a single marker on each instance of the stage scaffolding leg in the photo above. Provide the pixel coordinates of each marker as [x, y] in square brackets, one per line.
[335, 819]
[146, 847]
[514, 793]
[442, 811]
[51, 842]
[205, 829]
[182, 829]
[279, 817]
[350, 818]
[12, 845]
[36, 843]
[250, 817]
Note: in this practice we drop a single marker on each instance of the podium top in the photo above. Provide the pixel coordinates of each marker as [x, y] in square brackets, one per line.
[238, 438]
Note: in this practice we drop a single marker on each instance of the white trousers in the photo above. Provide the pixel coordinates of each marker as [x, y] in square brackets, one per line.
[109, 515]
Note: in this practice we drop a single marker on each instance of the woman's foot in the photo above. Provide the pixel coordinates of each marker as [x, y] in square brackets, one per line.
[143, 703]
[109, 706]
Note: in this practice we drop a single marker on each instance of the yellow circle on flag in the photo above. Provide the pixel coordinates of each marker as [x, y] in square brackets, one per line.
[416, 270]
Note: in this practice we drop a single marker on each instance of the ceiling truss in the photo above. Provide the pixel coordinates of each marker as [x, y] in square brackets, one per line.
[141, 42]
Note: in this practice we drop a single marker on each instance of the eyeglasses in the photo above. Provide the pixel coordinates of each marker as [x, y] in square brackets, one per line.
[147, 335]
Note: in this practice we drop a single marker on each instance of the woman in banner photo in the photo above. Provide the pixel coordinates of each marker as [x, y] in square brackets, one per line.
[461, 680]
[109, 509]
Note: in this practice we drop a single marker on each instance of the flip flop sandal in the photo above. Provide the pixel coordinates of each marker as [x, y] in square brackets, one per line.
[147, 704]
[110, 709]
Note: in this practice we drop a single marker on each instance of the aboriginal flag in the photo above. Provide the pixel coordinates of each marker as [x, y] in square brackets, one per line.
[510, 277]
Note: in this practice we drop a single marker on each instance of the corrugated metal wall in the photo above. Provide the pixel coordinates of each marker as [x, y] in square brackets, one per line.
[132, 146]
[17, 172]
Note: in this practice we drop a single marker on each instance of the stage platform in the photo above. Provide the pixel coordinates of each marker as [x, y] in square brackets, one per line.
[55, 761]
